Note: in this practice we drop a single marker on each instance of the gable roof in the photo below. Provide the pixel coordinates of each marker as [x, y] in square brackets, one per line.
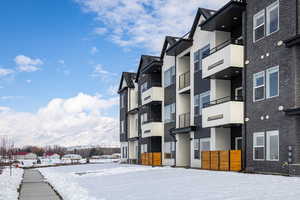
[169, 40]
[207, 13]
[144, 61]
[129, 78]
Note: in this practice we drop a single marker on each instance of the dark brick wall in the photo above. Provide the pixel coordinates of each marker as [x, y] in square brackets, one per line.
[123, 115]
[169, 98]
[285, 58]
[200, 86]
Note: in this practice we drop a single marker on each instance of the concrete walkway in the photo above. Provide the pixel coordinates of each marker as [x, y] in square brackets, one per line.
[34, 187]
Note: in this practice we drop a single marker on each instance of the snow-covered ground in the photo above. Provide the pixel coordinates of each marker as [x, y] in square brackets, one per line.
[9, 184]
[129, 182]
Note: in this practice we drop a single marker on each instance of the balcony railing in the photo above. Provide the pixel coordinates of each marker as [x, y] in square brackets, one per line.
[184, 80]
[184, 120]
[222, 100]
[225, 44]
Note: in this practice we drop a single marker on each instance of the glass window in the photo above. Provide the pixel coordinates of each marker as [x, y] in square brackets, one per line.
[205, 144]
[169, 76]
[273, 18]
[170, 113]
[144, 87]
[199, 56]
[259, 146]
[273, 82]
[273, 145]
[259, 25]
[144, 118]
[259, 86]
[204, 100]
[122, 126]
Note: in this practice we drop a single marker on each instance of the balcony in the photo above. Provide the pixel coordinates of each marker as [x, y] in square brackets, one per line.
[184, 120]
[225, 61]
[184, 82]
[152, 94]
[223, 112]
[152, 129]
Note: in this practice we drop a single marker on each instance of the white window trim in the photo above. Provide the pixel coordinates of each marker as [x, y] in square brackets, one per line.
[268, 72]
[270, 8]
[255, 135]
[236, 139]
[268, 134]
[255, 87]
[257, 15]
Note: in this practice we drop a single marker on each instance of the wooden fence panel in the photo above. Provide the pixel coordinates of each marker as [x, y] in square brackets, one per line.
[205, 160]
[156, 159]
[236, 160]
[224, 160]
[214, 160]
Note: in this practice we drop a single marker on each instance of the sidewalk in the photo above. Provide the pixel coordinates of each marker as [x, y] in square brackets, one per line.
[34, 187]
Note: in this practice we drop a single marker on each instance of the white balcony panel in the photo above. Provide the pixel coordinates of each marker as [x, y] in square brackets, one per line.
[152, 94]
[230, 56]
[231, 112]
[152, 129]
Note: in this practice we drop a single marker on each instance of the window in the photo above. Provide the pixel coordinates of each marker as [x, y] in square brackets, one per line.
[259, 86]
[272, 82]
[144, 87]
[259, 25]
[204, 145]
[144, 118]
[169, 76]
[273, 145]
[196, 149]
[259, 146]
[199, 55]
[144, 148]
[122, 127]
[273, 18]
[204, 100]
[170, 113]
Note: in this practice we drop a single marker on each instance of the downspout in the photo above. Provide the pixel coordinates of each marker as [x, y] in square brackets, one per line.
[245, 91]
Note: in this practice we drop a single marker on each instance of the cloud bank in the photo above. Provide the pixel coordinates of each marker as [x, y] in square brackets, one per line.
[79, 120]
[136, 23]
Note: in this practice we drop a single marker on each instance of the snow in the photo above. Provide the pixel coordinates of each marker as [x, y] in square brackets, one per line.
[112, 181]
[10, 184]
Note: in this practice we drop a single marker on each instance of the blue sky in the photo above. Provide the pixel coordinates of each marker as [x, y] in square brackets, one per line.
[61, 61]
[55, 31]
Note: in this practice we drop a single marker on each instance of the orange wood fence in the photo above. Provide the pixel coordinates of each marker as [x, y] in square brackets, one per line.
[222, 160]
[152, 159]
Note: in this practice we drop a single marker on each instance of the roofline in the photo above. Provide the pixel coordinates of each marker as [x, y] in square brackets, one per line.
[223, 8]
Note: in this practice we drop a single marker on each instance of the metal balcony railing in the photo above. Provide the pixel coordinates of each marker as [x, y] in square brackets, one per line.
[225, 44]
[223, 100]
[184, 80]
[184, 120]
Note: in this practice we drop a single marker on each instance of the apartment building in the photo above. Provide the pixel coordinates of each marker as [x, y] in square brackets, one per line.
[230, 84]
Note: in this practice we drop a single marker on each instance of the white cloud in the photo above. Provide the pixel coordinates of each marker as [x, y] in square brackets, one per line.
[79, 120]
[5, 72]
[100, 30]
[5, 98]
[28, 81]
[27, 64]
[94, 50]
[145, 23]
[62, 62]
[103, 74]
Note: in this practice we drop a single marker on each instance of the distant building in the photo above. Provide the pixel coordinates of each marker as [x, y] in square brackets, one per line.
[24, 156]
[50, 155]
[72, 157]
